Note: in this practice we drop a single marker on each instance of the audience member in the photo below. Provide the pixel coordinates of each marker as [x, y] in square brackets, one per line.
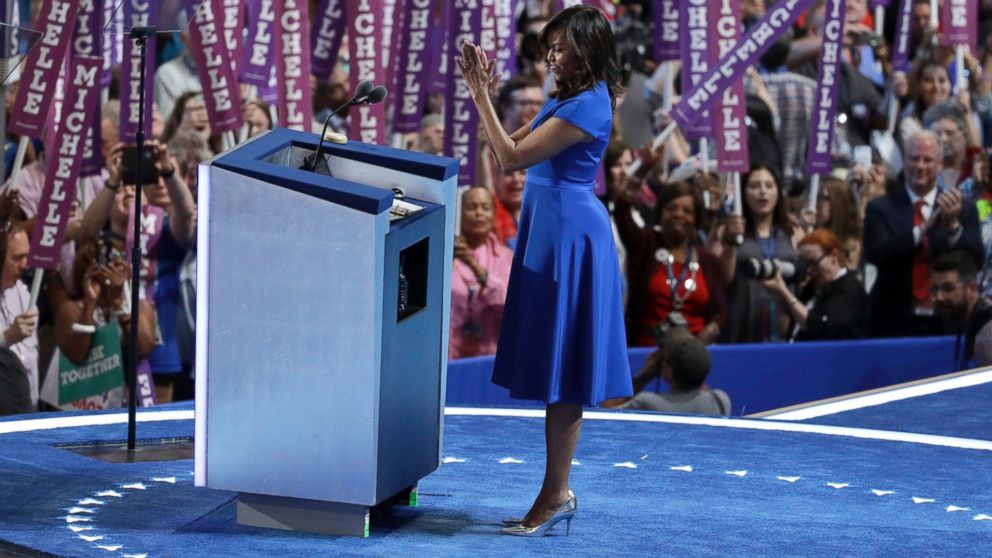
[509, 197]
[904, 231]
[168, 229]
[946, 119]
[674, 280]
[837, 210]
[519, 101]
[684, 365]
[963, 311]
[793, 95]
[754, 315]
[100, 299]
[430, 139]
[836, 300]
[929, 85]
[479, 278]
[190, 113]
[18, 320]
[176, 77]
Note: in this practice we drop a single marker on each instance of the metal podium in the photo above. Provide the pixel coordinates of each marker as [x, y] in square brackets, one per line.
[322, 327]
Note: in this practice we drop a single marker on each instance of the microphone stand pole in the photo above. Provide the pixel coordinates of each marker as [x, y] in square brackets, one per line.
[140, 35]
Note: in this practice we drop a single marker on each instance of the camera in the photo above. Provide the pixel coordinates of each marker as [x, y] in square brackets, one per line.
[674, 322]
[871, 39]
[761, 269]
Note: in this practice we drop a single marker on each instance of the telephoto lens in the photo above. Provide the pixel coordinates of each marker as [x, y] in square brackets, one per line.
[761, 269]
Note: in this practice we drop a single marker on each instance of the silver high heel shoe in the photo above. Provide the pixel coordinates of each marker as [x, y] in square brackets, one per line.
[565, 513]
[511, 521]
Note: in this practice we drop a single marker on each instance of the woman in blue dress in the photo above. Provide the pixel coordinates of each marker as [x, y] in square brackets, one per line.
[562, 339]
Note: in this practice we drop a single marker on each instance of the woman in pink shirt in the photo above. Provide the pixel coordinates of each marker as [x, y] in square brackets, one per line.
[478, 279]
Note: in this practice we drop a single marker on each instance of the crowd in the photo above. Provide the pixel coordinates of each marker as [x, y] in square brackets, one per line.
[897, 245]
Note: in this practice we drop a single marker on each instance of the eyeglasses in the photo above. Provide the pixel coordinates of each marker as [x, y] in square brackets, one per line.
[528, 103]
[814, 263]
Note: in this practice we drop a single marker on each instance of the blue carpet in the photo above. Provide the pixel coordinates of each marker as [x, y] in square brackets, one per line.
[962, 412]
[648, 510]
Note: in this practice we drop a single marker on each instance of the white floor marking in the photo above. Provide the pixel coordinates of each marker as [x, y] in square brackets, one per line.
[718, 422]
[883, 397]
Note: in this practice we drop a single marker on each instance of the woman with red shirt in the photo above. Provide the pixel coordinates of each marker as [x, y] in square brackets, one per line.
[674, 280]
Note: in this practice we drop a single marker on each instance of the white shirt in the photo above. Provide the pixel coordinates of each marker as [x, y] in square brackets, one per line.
[13, 303]
[929, 200]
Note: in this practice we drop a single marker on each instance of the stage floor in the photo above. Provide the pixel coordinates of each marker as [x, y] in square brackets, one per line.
[897, 475]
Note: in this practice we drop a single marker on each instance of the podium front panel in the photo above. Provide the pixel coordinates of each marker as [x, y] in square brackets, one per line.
[290, 354]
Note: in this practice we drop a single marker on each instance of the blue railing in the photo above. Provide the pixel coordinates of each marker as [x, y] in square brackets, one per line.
[763, 377]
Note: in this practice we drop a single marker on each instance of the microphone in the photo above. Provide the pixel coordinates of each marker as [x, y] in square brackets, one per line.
[364, 92]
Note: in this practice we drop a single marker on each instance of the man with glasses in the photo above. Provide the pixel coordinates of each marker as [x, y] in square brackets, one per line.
[520, 99]
[954, 287]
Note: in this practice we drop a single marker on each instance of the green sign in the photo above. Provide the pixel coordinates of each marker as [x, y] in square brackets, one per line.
[102, 371]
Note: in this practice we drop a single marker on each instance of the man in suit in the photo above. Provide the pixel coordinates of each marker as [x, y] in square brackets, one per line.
[904, 231]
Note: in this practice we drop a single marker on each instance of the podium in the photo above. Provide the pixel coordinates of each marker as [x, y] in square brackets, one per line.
[322, 328]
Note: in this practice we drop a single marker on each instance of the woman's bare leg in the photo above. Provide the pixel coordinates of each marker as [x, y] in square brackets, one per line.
[561, 430]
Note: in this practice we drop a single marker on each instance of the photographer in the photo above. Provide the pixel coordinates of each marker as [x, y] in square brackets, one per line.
[683, 364]
[963, 311]
[168, 230]
[755, 315]
[836, 307]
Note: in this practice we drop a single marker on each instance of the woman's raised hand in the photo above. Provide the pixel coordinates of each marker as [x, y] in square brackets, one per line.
[477, 70]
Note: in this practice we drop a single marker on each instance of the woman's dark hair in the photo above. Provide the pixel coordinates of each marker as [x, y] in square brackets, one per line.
[175, 118]
[915, 78]
[674, 190]
[585, 28]
[780, 215]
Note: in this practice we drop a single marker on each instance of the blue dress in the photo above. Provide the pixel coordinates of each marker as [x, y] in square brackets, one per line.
[562, 338]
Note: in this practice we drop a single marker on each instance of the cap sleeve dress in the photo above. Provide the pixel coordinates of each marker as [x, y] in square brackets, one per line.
[562, 338]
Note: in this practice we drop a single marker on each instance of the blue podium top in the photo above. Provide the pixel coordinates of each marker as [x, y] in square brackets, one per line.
[254, 159]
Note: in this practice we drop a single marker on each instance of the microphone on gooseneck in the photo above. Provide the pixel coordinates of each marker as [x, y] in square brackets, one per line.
[363, 91]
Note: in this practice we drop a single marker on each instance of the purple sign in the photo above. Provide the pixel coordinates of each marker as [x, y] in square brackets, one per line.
[87, 42]
[368, 122]
[415, 60]
[295, 106]
[506, 52]
[900, 48]
[259, 52]
[959, 21]
[234, 14]
[438, 40]
[730, 112]
[697, 58]
[666, 31]
[56, 20]
[389, 29]
[62, 163]
[325, 37]
[461, 121]
[111, 45]
[213, 65]
[137, 13]
[821, 133]
[883, 3]
[756, 41]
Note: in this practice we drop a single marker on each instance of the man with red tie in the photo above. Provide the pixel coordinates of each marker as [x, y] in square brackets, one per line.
[904, 231]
